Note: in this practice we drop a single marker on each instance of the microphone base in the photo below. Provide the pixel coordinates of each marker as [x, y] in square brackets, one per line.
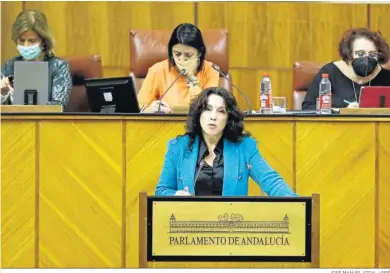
[248, 113]
[159, 112]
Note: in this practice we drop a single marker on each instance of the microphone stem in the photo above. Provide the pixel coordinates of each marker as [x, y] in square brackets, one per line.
[169, 87]
[239, 90]
[246, 98]
[216, 68]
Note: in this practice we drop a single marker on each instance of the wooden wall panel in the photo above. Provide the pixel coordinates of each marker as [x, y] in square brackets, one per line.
[347, 188]
[383, 247]
[82, 27]
[147, 15]
[258, 39]
[328, 22]
[18, 194]
[274, 140]
[80, 197]
[272, 36]
[380, 19]
[9, 11]
[248, 80]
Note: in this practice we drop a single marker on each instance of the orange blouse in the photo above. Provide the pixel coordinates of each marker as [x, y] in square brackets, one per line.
[160, 76]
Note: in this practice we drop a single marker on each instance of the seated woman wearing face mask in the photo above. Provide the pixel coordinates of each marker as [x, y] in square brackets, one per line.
[34, 42]
[186, 52]
[362, 52]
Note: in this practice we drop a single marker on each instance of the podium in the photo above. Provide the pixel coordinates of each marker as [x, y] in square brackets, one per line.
[229, 232]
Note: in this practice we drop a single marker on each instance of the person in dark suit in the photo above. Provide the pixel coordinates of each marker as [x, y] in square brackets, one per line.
[216, 156]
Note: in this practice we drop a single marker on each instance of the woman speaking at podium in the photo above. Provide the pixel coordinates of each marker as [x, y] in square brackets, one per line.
[34, 42]
[185, 73]
[215, 157]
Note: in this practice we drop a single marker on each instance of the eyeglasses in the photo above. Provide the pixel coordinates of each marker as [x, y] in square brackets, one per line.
[372, 54]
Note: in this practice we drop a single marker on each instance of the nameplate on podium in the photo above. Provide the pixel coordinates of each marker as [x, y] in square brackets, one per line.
[229, 229]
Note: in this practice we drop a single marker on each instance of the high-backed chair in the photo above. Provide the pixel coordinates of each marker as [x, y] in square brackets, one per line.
[148, 47]
[81, 68]
[303, 73]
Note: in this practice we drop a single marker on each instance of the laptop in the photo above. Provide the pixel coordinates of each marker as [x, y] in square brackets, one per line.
[32, 83]
[375, 97]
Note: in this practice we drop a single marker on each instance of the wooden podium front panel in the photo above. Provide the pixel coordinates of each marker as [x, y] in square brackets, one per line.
[337, 160]
[275, 142]
[80, 194]
[137, 145]
[146, 145]
[18, 194]
[383, 197]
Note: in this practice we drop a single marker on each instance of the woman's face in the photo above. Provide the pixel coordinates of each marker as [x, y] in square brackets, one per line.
[29, 38]
[365, 57]
[363, 47]
[182, 53]
[213, 119]
[186, 57]
[30, 46]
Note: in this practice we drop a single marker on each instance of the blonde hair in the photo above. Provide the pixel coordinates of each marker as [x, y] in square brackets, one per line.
[32, 20]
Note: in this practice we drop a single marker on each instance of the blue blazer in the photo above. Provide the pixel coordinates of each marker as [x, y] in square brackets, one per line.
[241, 160]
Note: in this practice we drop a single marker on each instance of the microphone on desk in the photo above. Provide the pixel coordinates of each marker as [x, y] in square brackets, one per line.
[216, 68]
[181, 73]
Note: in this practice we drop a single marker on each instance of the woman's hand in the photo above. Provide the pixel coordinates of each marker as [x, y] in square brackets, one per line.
[5, 86]
[353, 105]
[183, 192]
[190, 66]
[154, 107]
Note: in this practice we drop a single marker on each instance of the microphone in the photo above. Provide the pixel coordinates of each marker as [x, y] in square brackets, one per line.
[181, 73]
[216, 68]
[201, 163]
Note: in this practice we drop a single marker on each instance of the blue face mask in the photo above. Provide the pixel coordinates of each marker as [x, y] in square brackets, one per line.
[29, 52]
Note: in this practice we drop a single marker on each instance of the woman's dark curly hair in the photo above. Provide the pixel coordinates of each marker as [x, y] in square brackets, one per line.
[234, 130]
[349, 37]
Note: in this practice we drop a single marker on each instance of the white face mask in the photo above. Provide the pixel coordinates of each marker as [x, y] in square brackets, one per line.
[186, 57]
[29, 52]
[190, 65]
